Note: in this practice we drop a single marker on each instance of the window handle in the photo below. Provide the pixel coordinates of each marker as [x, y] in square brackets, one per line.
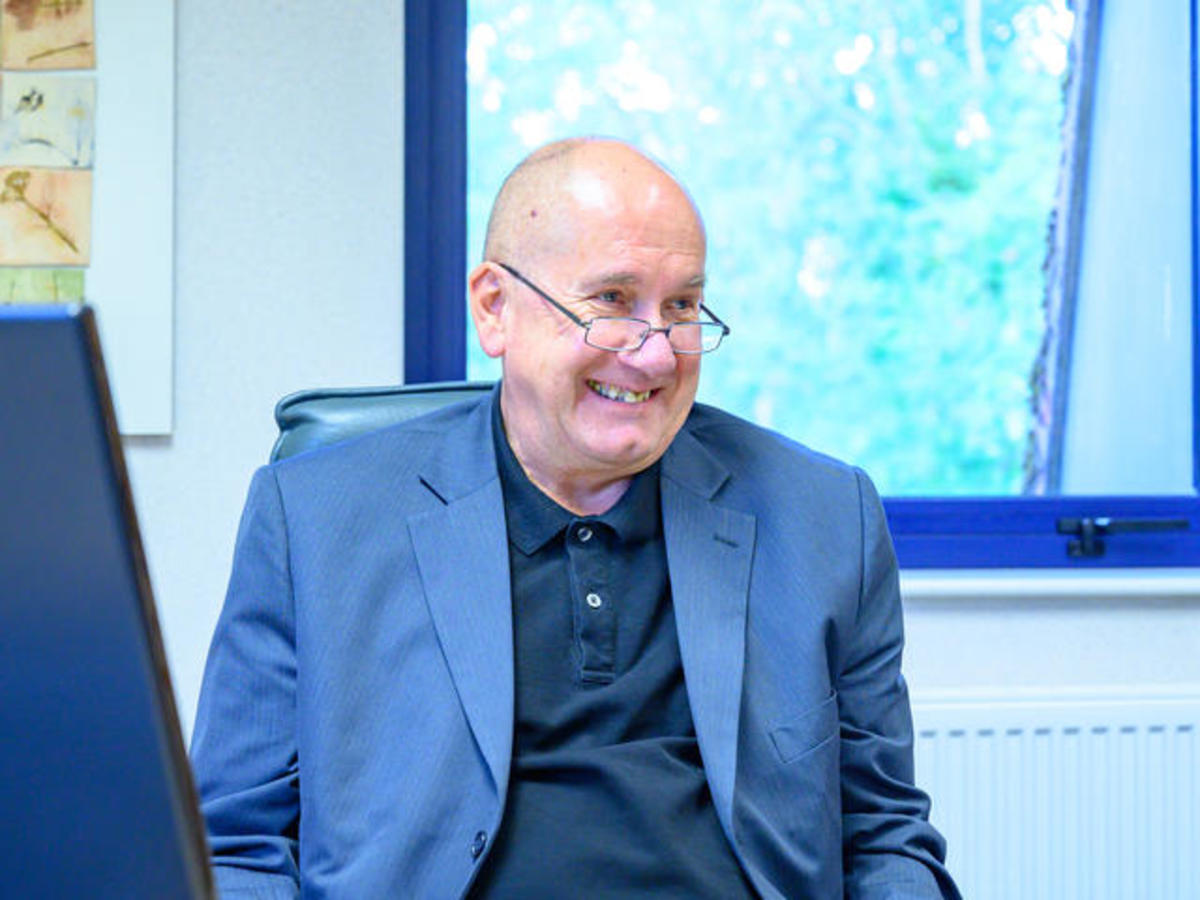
[1090, 532]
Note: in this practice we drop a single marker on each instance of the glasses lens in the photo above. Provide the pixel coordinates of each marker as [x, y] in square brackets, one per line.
[695, 337]
[615, 333]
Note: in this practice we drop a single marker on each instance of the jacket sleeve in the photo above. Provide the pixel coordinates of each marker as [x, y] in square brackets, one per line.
[890, 849]
[243, 747]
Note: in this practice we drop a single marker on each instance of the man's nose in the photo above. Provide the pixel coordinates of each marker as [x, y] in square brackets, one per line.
[655, 356]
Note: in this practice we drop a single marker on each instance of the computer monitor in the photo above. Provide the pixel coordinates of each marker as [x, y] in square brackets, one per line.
[96, 795]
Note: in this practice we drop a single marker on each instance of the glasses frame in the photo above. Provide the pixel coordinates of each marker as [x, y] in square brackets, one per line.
[586, 325]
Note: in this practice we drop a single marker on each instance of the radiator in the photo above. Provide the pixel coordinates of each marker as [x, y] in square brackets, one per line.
[1067, 798]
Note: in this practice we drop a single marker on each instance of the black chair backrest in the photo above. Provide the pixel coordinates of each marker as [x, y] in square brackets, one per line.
[310, 419]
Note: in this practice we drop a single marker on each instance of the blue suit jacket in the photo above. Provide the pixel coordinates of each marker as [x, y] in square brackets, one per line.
[354, 732]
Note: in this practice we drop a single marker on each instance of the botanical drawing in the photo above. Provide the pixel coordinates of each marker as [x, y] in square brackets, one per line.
[47, 34]
[47, 120]
[45, 216]
[41, 285]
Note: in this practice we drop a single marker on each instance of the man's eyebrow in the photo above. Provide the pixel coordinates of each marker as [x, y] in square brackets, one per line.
[608, 279]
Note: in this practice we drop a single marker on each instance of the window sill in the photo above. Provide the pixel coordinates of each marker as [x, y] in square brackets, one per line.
[920, 587]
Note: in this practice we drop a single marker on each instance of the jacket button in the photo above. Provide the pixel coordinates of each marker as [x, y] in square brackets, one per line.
[478, 844]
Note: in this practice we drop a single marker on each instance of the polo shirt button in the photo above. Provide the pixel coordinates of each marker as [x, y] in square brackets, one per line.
[584, 534]
[594, 601]
[478, 845]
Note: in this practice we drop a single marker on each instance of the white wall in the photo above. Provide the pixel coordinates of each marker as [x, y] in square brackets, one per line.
[288, 266]
[1056, 633]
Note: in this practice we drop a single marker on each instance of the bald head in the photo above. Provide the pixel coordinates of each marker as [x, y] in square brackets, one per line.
[538, 207]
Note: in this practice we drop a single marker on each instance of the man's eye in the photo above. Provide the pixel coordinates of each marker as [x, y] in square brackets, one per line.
[685, 306]
[608, 297]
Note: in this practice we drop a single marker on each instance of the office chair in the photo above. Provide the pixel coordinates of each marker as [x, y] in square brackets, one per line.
[314, 418]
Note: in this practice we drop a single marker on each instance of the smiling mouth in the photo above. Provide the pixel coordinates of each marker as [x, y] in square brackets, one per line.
[612, 392]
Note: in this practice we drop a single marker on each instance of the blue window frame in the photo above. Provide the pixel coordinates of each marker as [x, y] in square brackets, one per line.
[1011, 532]
[435, 190]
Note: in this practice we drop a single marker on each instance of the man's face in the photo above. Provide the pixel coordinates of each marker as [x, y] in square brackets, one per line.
[623, 246]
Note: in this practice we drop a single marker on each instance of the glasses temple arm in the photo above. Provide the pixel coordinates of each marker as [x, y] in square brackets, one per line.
[712, 315]
[537, 290]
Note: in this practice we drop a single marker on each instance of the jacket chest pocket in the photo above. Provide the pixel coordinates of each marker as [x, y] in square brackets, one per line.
[801, 734]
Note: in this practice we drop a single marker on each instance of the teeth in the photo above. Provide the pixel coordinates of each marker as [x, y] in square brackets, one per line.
[615, 393]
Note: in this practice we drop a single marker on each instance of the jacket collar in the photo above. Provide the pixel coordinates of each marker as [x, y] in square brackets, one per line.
[462, 556]
[466, 463]
[709, 551]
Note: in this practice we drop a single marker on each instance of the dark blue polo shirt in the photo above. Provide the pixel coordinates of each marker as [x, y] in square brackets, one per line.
[607, 796]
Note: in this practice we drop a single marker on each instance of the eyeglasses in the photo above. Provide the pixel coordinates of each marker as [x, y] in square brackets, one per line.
[618, 333]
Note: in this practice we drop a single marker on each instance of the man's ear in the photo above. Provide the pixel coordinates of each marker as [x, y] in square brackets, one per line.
[486, 299]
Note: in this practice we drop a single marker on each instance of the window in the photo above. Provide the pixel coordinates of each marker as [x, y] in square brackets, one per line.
[907, 283]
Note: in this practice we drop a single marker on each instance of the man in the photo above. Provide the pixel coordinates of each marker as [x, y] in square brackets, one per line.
[583, 638]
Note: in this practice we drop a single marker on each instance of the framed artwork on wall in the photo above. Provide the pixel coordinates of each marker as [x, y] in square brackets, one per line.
[86, 180]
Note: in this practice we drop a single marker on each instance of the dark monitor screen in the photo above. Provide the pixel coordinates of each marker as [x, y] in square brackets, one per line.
[96, 798]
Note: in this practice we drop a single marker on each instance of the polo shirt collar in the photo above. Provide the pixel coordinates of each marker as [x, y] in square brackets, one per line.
[534, 519]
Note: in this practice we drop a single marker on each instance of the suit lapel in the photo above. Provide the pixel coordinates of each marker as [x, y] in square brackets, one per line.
[462, 555]
[709, 552]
